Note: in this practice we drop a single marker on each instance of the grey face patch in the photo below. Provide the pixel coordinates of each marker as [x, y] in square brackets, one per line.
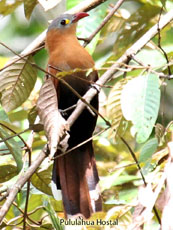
[59, 23]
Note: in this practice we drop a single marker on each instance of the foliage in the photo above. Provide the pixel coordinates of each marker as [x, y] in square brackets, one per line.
[137, 103]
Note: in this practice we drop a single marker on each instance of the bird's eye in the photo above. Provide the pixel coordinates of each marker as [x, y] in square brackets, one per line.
[63, 22]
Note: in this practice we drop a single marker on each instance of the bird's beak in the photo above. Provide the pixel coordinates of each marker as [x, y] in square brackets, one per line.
[80, 15]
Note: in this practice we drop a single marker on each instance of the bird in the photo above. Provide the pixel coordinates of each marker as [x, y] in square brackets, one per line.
[74, 173]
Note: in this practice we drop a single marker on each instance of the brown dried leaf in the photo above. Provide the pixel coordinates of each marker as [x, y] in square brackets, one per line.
[55, 125]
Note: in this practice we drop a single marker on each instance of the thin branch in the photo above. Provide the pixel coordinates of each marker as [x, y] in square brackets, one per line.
[106, 19]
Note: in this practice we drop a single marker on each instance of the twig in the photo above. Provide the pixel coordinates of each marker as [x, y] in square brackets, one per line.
[106, 19]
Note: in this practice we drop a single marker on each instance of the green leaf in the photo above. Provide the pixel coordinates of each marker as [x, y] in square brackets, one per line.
[14, 148]
[148, 149]
[140, 103]
[17, 116]
[7, 172]
[41, 179]
[28, 7]
[17, 82]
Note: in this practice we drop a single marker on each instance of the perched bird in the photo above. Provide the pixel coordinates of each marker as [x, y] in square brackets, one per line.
[75, 173]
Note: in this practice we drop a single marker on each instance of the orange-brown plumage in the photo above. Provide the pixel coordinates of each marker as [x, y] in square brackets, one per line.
[75, 173]
[62, 47]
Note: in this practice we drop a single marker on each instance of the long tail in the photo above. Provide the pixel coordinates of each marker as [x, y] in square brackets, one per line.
[76, 175]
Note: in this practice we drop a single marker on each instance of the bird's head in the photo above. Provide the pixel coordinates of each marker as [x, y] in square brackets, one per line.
[66, 21]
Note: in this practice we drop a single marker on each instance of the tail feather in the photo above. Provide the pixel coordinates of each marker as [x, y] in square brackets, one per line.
[79, 179]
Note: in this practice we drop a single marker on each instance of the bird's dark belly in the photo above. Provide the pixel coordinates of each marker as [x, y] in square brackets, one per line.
[83, 127]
